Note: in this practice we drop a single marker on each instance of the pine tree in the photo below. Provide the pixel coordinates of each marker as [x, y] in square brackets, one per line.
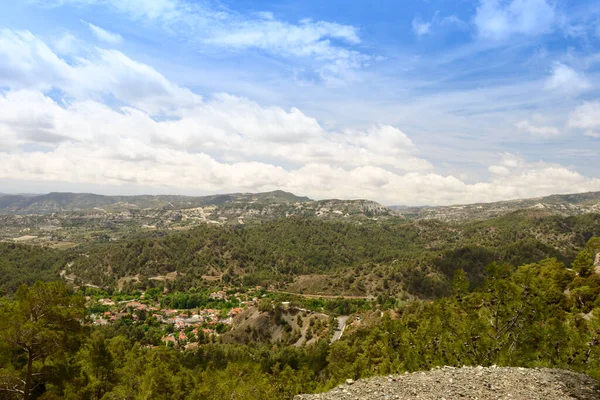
[583, 263]
[37, 325]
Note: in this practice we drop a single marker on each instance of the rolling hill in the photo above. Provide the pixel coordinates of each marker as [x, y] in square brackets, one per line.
[559, 204]
[61, 202]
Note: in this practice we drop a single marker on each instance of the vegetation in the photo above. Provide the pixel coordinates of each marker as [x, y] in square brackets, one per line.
[39, 324]
[22, 264]
[418, 259]
[519, 290]
[538, 314]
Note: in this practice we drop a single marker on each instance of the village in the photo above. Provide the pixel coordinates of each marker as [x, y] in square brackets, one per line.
[182, 326]
[186, 320]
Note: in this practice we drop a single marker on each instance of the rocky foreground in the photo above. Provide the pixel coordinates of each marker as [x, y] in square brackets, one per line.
[469, 383]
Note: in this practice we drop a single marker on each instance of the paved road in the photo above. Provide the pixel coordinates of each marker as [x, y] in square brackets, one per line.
[341, 326]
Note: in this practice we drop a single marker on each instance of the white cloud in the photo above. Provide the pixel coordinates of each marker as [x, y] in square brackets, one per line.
[566, 80]
[499, 170]
[510, 160]
[104, 35]
[28, 63]
[221, 144]
[66, 44]
[148, 9]
[499, 19]
[328, 44]
[587, 118]
[421, 27]
[30, 117]
[226, 126]
[536, 179]
[305, 38]
[91, 143]
[453, 20]
[536, 129]
[110, 71]
[173, 170]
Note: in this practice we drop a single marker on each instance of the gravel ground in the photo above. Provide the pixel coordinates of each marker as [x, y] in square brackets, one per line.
[468, 383]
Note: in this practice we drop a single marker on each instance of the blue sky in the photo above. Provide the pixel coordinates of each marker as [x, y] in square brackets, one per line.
[404, 102]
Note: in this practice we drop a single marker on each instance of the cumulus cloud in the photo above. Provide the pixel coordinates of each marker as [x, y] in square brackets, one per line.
[523, 179]
[175, 169]
[500, 19]
[221, 143]
[586, 117]
[226, 126]
[566, 80]
[28, 63]
[92, 143]
[104, 35]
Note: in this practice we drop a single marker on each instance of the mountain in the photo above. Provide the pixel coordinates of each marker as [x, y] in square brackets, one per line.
[557, 204]
[241, 207]
[67, 219]
[60, 202]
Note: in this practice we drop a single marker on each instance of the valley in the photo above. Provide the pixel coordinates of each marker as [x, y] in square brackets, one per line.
[278, 294]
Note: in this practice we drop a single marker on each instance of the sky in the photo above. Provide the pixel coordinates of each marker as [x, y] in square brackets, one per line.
[405, 102]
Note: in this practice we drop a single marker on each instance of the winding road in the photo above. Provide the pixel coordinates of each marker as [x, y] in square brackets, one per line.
[342, 319]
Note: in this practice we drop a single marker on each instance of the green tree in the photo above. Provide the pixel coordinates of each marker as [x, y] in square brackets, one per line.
[97, 369]
[583, 263]
[593, 245]
[460, 283]
[36, 325]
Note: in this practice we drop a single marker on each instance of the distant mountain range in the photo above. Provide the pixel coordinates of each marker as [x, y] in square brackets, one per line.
[59, 202]
[279, 203]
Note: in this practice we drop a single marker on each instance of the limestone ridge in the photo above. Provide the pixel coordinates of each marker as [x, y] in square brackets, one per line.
[481, 383]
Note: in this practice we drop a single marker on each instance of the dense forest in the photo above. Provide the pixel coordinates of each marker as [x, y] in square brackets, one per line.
[539, 314]
[519, 290]
[415, 259]
[21, 264]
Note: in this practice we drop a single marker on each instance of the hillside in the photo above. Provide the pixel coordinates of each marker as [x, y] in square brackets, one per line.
[291, 243]
[289, 326]
[565, 205]
[60, 202]
[329, 257]
[67, 219]
[223, 311]
[172, 211]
